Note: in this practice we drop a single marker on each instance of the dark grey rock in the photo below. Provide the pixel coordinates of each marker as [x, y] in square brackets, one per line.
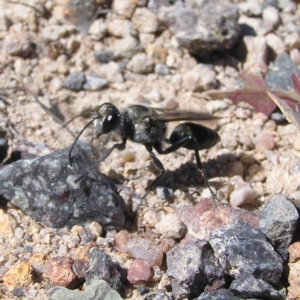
[221, 294]
[158, 295]
[94, 82]
[280, 73]
[278, 221]
[44, 188]
[102, 267]
[192, 267]
[104, 56]
[241, 249]
[247, 286]
[74, 81]
[205, 27]
[97, 290]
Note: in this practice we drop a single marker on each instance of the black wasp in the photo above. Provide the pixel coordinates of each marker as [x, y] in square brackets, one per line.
[147, 126]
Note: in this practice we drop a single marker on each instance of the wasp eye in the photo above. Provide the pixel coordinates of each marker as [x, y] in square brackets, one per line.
[110, 122]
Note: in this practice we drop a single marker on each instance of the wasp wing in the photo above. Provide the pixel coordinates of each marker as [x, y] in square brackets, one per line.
[181, 115]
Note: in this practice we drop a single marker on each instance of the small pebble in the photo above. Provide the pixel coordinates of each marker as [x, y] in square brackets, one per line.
[104, 56]
[74, 81]
[171, 227]
[140, 271]
[140, 248]
[264, 141]
[162, 69]
[242, 194]
[94, 82]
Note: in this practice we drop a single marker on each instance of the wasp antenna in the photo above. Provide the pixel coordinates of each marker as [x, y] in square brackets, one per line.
[78, 136]
[77, 116]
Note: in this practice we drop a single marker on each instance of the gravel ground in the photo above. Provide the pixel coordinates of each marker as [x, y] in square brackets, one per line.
[58, 60]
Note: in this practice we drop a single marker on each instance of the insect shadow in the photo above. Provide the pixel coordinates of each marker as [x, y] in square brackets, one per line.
[147, 126]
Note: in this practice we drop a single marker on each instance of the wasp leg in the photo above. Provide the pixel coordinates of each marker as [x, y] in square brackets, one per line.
[181, 143]
[119, 146]
[160, 167]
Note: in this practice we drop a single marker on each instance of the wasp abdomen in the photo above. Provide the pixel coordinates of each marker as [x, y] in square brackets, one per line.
[204, 136]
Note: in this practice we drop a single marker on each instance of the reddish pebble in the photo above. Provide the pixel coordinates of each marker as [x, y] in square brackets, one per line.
[140, 271]
[60, 271]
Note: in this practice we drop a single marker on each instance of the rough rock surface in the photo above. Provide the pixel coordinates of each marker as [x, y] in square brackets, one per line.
[45, 189]
[97, 290]
[241, 249]
[193, 267]
[279, 226]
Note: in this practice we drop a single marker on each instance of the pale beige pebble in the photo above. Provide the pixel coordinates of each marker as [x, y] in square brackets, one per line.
[55, 85]
[229, 142]
[264, 141]
[292, 41]
[18, 44]
[124, 7]
[251, 8]
[144, 20]
[146, 39]
[157, 53]
[155, 95]
[121, 239]
[256, 173]
[247, 141]
[98, 29]
[121, 28]
[257, 52]
[216, 105]
[234, 168]
[259, 156]
[243, 193]
[150, 217]
[272, 157]
[242, 113]
[270, 125]
[201, 78]
[111, 72]
[22, 68]
[140, 63]
[95, 228]
[225, 191]
[295, 56]
[176, 81]
[271, 15]
[275, 43]
[7, 224]
[125, 47]
[55, 32]
[285, 177]
[171, 227]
